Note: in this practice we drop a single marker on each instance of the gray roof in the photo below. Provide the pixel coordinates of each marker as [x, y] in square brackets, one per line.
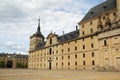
[69, 36]
[101, 8]
[63, 38]
[21, 56]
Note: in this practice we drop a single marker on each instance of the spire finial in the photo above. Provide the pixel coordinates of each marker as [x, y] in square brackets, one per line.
[38, 29]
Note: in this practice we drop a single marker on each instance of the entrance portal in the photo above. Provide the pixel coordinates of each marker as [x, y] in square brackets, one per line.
[9, 64]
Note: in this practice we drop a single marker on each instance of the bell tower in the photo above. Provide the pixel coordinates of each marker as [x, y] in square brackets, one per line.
[37, 38]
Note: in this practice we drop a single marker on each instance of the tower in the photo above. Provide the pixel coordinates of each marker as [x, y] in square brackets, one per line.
[37, 38]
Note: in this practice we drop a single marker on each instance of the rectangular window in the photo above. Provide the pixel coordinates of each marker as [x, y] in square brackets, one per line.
[68, 49]
[93, 54]
[83, 46]
[62, 57]
[62, 50]
[105, 43]
[83, 55]
[84, 63]
[68, 63]
[62, 64]
[75, 55]
[83, 33]
[92, 45]
[56, 58]
[91, 30]
[75, 63]
[68, 56]
[76, 48]
[93, 63]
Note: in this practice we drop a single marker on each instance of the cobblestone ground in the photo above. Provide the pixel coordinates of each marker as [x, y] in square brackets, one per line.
[28, 74]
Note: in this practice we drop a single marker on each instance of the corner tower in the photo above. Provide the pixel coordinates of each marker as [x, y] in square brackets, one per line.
[36, 38]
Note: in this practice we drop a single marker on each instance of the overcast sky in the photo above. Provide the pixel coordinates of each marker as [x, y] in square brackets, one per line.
[19, 20]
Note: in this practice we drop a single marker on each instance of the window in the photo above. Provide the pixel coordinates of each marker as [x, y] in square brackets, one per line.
[92, 45]
[56, 51]
[93, 63]
[62, 57]
[68, 63]
[82, 25]
[83, 46]
[68, 49]
[50, 51]
[75, 63]
[75, 41]
[84, 63]
[75, 55]
[83, 55]
[62, 64]
[114, 14]
[68, 43]
[56, 58]
[62, 51]
[68, 56]
[93, 54]
[91, 37]
[91, 30]
[91, 22]
[50, 41]
[105, 43]
[103, 17]
[75, 48]
[56, 64]
[83, 33]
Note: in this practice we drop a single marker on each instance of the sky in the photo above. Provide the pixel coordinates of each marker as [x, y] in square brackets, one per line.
[19, 20]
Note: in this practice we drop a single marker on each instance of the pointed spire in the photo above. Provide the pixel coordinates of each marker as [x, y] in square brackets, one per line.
[38, 29]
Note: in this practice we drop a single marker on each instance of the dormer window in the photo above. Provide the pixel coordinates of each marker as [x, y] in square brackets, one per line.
[91, 13]
[104, 7]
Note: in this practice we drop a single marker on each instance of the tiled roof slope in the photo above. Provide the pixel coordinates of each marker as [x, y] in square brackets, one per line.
[101, 8]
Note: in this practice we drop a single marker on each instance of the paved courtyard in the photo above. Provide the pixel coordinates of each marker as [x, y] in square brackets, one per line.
[28, 74]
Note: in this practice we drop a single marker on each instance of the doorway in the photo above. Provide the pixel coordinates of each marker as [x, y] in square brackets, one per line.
[9, 64]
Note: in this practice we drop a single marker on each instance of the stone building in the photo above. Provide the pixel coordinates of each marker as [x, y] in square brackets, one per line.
[14, 60]
[95, 45]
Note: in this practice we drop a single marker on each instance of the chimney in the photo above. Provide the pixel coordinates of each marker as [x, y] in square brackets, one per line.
[76, 27]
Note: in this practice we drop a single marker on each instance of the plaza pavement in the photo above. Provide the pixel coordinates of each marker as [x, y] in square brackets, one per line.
[29, 74]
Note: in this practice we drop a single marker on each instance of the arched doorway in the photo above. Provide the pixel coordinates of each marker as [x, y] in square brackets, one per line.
[9, 64]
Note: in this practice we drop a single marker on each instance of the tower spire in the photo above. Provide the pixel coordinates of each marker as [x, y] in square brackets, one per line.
[38, 29]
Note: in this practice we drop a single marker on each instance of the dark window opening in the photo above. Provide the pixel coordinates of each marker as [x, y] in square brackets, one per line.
[105, 43]
[50, 51]
[92, 45]
[93, 54]
[75, 63]
[83, 46]
[75, 55]
[93, 63]
[84, 63]
[75, 48]
[83, 55]
[50, 41]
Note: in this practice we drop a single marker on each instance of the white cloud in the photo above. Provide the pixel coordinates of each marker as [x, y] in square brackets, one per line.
[18, 19]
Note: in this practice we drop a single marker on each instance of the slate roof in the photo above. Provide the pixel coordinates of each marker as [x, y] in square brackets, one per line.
[101, 8]
[21, 56]
[63, 38]
[40, 45]
[37, 35]
[69, 36]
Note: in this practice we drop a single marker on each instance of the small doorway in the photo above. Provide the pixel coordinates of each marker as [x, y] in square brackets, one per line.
[9, 64]
[50, 67]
